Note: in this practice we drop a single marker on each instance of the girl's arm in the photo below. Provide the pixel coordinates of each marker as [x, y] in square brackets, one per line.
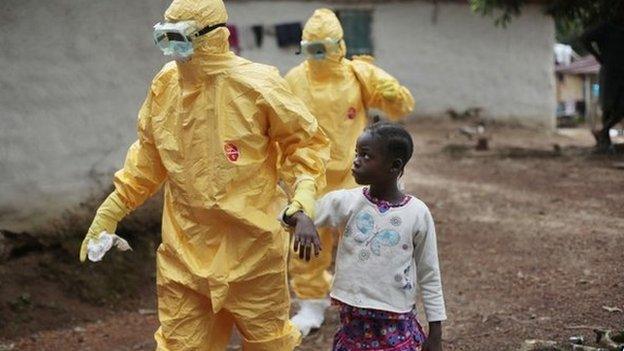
[306, 237]
[434, 339]
[428, 270]
[333, 209]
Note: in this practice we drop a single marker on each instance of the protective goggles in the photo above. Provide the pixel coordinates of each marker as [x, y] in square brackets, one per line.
[319, 49]
[176, 39]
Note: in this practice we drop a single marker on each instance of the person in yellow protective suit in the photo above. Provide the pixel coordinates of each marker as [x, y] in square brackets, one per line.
[218, 132]
[338, 92]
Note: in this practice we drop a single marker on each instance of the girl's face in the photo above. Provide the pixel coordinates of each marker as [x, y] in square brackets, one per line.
[370, 164]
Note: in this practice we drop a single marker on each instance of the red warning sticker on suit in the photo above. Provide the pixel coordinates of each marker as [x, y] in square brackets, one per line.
[351, 113]
[231, 152]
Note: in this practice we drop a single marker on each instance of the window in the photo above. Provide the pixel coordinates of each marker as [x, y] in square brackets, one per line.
[356, 24]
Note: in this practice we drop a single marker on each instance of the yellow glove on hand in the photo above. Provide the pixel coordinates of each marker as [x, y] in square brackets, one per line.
[389, 89]
[304, 199]
[111, 211]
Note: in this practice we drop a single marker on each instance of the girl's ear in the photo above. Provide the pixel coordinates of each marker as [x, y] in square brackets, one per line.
[397, 166]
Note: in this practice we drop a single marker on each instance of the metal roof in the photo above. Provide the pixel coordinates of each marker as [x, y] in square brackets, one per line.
[585, 65]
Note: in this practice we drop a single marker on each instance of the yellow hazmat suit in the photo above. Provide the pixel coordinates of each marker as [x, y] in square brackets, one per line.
[210, 130]
[338, 92]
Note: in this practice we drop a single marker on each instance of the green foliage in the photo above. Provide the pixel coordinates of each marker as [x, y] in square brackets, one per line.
[503, 10]
[568, 32]
[571, 16]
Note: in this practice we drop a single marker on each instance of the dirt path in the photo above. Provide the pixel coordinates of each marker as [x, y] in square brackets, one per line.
[530, 240]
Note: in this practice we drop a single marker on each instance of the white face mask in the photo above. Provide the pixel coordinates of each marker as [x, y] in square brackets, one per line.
[176, 39]
[319, 49]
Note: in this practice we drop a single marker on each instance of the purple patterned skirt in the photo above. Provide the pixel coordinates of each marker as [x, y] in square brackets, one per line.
[375, 330]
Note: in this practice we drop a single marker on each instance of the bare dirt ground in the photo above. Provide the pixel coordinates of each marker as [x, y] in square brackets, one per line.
[531, 241]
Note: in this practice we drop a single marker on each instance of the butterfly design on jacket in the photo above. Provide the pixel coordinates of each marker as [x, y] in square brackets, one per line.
[371, 235]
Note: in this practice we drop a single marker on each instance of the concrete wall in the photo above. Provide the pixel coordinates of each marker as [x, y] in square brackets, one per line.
[74, 75]
[570, 88]
[76, 71]
[449, 57]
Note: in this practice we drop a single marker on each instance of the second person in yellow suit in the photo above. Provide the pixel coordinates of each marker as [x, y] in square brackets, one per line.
[338, 92]
[209, 131]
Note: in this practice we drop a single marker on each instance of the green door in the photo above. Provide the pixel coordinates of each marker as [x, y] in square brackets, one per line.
[357, 31]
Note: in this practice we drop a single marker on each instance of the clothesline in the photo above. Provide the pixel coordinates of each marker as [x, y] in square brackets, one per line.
[251, 37]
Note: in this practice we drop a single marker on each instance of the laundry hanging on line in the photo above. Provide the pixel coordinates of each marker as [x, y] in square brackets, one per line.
[288, 34]
[234, 38]
[258, 33]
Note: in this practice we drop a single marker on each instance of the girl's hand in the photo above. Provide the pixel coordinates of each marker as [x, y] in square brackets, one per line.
[432, 345]
[306, 236]
[434, 340]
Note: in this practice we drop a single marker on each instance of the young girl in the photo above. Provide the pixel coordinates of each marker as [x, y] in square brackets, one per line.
[387, 249]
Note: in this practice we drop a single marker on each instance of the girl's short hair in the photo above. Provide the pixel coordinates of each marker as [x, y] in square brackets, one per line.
[397, 142]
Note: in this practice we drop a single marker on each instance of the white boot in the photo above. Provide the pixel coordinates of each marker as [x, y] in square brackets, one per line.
[311, 315]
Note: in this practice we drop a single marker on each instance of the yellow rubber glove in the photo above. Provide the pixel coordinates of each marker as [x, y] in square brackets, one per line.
[389, 89]
[111, 211]
[304, 199]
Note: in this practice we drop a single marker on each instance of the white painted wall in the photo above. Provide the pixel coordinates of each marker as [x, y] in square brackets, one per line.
[75, 73]
[459, 61]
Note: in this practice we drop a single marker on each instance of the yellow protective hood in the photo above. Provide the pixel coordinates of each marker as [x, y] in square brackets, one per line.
[211, 51]
[204, 13]
[325, 25]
